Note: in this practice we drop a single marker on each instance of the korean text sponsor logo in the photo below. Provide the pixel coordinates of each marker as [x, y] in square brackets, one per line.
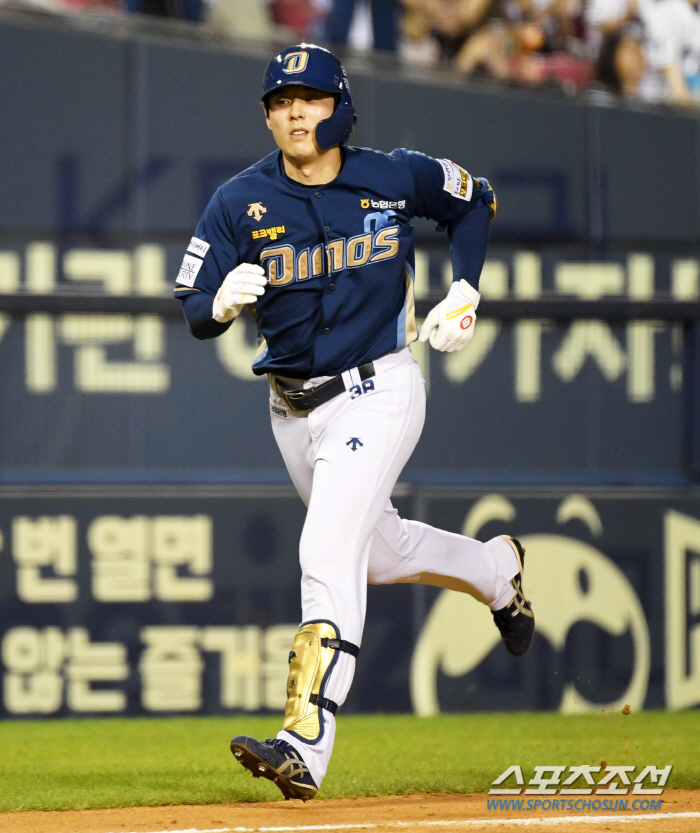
[198, 247]
[366, 203]
[457, 180]
[273, 232]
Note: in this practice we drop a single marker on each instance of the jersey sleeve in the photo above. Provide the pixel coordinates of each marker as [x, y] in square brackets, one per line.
[442, 190]
[445, 192]
[211, 254]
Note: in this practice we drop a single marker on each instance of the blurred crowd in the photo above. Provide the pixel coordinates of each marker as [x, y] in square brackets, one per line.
[644, 49]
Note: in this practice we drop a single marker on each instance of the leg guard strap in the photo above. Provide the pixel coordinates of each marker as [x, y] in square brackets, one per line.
[341, 645]
[324, 703]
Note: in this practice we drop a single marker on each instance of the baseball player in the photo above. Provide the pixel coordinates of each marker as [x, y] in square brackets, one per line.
[316, 241]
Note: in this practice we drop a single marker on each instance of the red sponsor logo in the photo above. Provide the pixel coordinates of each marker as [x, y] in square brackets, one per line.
[466, 322]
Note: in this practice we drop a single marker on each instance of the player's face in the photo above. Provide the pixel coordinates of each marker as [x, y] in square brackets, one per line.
[292, 116]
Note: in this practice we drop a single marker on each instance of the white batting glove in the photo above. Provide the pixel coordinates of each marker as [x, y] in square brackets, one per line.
[244, 285]
[450, 324]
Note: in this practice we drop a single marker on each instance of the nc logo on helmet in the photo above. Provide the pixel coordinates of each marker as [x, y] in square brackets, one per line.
[295, 62]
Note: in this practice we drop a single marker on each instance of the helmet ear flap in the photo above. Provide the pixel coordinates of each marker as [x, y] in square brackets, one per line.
[337, 128]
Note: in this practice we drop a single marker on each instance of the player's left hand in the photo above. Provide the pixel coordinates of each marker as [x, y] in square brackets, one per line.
[450, 324]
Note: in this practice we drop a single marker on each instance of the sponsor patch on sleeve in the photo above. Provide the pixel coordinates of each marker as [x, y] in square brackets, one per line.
[457, 180]
[189, 270]
[198, 247]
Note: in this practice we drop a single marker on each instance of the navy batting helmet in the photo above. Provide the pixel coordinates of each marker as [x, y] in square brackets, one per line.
[314, 66]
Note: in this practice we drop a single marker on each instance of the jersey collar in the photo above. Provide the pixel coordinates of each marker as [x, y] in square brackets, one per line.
[299, 186]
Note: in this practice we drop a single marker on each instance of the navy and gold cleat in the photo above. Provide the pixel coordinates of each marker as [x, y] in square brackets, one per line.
[278, 761]
[516, 621]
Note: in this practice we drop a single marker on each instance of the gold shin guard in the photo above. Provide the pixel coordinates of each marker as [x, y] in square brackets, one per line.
[310, 662]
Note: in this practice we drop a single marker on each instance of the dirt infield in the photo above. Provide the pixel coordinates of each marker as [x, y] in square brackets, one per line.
[679, 813]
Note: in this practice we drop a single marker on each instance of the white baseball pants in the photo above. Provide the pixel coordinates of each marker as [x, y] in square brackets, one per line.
[344, 460]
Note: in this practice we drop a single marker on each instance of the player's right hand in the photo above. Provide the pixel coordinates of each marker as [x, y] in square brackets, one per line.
[244, 285]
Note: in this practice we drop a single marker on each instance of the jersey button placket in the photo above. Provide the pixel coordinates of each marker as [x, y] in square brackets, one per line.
[326, 229]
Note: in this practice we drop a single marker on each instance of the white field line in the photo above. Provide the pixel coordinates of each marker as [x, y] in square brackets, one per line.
[513, 822]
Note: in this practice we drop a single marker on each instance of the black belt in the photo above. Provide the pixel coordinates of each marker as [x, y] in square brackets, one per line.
[310, 398]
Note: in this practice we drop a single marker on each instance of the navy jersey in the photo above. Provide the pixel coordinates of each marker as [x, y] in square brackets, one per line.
[338, 257]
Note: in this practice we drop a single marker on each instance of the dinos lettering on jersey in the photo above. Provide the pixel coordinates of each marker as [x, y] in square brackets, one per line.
[365, 203]
[284, 265]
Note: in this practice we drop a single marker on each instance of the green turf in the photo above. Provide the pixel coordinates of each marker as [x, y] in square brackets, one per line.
[52, 765]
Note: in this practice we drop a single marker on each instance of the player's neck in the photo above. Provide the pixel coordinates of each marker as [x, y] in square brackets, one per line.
[325, 168]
